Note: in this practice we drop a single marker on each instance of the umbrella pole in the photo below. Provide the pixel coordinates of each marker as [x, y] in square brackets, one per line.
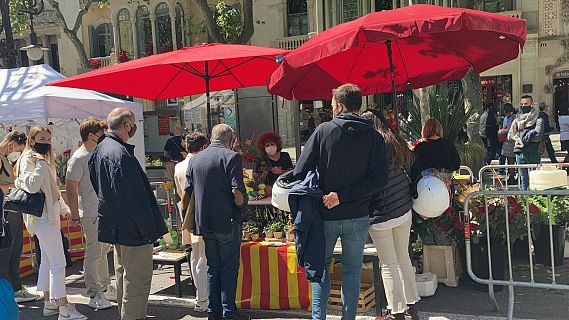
[207, 99]
[393, 86]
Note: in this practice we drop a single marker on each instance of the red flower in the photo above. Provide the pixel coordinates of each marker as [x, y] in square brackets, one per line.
[533, 208]
[249, 157]
[415, 143]
[451, 211]
[474, 226]
[512, 215]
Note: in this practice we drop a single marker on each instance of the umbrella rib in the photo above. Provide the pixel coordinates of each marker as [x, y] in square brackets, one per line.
[238, 65]
[191, 70]
[219, 62]
[168, 84]
[355, 62]
[402, 61]
[231, 74]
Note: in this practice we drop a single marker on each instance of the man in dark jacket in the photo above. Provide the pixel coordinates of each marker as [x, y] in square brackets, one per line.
[351, 158]
[547, 130]
[129, 216]
[215, 176]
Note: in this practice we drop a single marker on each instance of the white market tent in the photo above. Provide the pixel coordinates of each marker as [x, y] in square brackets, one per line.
[24, 98]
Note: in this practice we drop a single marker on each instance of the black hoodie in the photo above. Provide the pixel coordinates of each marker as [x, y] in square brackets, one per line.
[351, 159]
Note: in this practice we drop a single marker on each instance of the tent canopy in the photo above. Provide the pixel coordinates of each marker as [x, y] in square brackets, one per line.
[24, 96]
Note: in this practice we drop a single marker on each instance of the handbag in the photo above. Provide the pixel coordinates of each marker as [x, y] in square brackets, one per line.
[18, 200]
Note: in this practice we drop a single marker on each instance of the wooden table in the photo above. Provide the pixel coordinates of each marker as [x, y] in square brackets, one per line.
[370, 255]
[173, 259]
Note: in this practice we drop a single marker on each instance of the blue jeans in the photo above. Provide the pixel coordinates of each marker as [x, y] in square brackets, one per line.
[222, 252]
[530, 155]
[353, 234]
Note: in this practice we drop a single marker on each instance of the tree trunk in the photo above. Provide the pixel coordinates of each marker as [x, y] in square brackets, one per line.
[72, 33]
[423, 94]
[472, 90]
[213, 28]
[7, 27]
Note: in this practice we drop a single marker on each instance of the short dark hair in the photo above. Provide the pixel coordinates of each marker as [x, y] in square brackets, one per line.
[349, 95]
[195, 141]
[508, 107]
[542, 106]
[527, 96]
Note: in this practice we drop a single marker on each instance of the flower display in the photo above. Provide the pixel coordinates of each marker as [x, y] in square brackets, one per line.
[503, 212]
[95, 63]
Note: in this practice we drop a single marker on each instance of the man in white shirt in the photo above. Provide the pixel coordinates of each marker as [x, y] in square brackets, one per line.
[80, 192]
[195, 142]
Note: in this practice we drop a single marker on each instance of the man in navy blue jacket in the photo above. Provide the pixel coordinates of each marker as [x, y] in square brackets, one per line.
[351, 159]
[129, 216]
[215, 176]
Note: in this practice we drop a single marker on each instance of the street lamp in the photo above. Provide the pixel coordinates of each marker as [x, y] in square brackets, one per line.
[33, 8]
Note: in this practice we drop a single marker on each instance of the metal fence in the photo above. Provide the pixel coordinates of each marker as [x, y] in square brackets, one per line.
[486, 199]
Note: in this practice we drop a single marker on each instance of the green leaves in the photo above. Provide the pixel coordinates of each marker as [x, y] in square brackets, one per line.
[228, 19]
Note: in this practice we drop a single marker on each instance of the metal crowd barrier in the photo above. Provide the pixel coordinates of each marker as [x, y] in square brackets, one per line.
[501, 179]
[511, 283]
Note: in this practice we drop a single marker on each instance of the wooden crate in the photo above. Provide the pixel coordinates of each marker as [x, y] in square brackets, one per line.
[366, 300]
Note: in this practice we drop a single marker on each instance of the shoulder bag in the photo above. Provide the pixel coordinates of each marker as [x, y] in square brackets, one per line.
[18, 200]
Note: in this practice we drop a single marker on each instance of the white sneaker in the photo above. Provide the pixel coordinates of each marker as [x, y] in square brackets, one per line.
[201, 306]
[110, 294]
[98, 302]
[68, 312]
[50, 309]
[24, 296]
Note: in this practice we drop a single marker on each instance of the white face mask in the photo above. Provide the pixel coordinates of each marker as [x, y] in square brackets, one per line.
[271, 150]
[14, 156]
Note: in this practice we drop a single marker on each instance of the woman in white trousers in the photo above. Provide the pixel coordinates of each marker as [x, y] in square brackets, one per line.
[390, 224]
[36, 173]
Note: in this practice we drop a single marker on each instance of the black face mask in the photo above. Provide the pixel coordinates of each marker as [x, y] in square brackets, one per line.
[132, 131]
[525, 109]
[42, 148]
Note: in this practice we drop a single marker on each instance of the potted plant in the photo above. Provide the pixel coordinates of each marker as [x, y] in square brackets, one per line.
[289, 230]
[540, 222]
[250, 231]
[278, 228]
[272, 228]
[495, 241]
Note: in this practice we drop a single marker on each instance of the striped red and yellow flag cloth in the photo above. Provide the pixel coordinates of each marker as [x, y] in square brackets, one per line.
[270, 278]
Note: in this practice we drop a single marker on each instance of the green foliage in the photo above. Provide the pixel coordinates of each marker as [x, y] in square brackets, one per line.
[471, 154]
[148, 162]
[559, 209]
[445, 106]
[228, 19]
[276, 226]
[251, 227]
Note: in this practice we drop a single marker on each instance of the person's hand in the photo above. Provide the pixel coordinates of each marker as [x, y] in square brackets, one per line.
[277, 170]
[72, 220]
[331, 200]
[36, 157]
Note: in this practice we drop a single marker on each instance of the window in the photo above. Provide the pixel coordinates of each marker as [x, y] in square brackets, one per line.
[180, 33]
[144, 32]
[104, 41]
[297, 18]
[350, 10]
[163, 28]
[381, 5]
[498, 5]
[125, 33]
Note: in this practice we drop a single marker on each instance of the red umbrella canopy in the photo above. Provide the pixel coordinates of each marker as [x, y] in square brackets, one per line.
[430, 44]
[183, 72]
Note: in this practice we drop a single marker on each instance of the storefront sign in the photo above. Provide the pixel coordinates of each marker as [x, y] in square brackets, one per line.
[193, 115]
[164, 125]
[488, 81]
[229, 116]
[561, 74]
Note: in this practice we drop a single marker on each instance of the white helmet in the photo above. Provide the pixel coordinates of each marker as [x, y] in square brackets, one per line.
[433, 197]
[281, 189]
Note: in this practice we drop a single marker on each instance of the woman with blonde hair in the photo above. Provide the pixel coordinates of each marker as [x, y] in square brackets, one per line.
[35, 172]
[390, 223]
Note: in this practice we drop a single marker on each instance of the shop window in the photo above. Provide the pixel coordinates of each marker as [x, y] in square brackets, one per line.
[163, 28]
[144, 31]
[180, 34]
[344, 10]
[125, 32]
[297, 17]
[498, 5]
[497, 90]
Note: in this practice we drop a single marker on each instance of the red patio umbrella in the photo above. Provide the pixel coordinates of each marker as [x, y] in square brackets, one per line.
[419, 45]
[188, 71]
